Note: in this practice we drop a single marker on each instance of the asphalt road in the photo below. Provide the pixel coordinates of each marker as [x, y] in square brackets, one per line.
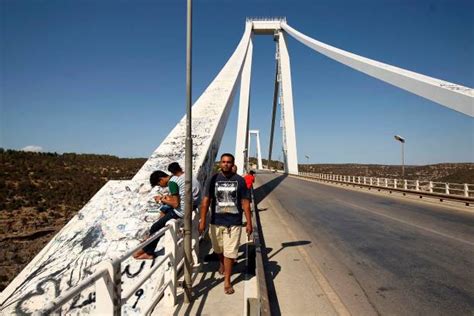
[381, 255]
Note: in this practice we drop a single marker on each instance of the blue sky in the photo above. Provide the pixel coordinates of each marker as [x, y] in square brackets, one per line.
[108, 77]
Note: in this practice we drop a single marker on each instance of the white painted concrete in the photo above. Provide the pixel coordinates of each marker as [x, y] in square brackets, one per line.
[286, 101]
[241, 150]
[259, 151]
[451, 95]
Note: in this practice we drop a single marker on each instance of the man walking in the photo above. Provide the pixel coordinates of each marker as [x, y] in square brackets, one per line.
[228, 196]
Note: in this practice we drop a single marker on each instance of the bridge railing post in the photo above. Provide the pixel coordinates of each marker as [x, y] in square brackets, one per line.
[405, 184]
[430, 186]
[395, 183]
[358, 179]
[386, 182]
[466, 190]
[446, 188]
[417, 185]
[370, 180]
[365, 180]
[171, 240]
[108, 289]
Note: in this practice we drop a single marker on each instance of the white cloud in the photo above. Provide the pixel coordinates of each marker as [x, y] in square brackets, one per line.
[33, 148]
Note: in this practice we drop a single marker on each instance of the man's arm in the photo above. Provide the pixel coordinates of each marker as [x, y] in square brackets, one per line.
[171, 200]
[206, 201]
[248, 215]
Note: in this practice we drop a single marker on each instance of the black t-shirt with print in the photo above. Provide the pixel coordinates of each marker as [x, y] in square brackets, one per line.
[226, 194]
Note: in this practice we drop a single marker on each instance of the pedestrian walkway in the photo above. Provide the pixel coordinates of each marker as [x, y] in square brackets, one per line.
[208, 287]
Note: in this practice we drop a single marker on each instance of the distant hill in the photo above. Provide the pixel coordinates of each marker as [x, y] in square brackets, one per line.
[41, 192]
[442, 172]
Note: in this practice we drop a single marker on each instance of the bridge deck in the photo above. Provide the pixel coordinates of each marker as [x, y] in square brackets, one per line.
[371, 254]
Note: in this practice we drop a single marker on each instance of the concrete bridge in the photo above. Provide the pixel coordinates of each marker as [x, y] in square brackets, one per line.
[352, 253]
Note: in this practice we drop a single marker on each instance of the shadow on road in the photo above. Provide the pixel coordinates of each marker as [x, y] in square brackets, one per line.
[265, 189]
[289, 244]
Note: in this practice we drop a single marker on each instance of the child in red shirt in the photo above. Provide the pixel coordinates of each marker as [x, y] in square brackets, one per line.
[249, 179]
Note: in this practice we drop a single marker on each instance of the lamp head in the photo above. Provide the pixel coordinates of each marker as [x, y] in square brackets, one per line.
[399, 138]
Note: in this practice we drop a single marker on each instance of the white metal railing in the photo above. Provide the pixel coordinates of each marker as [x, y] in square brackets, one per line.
[266, 18]
[458, 190]
[107, 277]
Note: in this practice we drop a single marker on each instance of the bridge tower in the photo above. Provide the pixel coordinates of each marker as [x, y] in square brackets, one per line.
[283, 95]
[259, 152]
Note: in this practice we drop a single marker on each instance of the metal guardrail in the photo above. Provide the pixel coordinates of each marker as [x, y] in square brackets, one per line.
[444, 191]
[107, 277]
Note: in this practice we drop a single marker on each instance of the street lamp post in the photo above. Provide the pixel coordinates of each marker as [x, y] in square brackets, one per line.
[402, 141]
[187, 242]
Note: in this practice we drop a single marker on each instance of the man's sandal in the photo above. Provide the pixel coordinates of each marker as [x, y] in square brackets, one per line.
[229, 290]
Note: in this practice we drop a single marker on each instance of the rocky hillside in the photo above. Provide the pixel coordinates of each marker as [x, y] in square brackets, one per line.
[40, 192]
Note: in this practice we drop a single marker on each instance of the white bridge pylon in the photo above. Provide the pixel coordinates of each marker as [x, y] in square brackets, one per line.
[283, 94]
[259, 151]
[450, 95]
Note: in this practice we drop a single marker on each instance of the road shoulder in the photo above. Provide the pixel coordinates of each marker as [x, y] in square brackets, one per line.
[301, 289]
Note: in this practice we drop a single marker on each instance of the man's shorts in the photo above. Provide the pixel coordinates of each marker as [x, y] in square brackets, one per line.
[225, 240]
